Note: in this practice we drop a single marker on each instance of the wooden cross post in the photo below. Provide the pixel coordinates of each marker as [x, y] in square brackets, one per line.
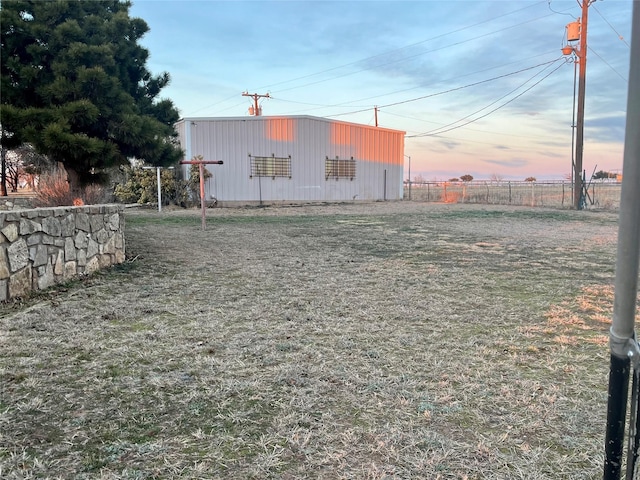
[201, 164]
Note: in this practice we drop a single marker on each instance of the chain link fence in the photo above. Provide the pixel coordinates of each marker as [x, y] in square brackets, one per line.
[558, 194]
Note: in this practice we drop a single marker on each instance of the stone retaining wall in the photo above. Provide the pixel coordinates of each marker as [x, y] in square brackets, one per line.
[44, 246]
[16, 202]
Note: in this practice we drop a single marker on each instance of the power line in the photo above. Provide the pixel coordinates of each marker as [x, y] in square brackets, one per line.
[455, 44]
[607, 63]
[395, 51]
[235, 95]
[502, 134]
[435, 132]
[486, 106]
[555, 11]
[478, 83]
[449, 90]
[457, 77]
[349, 104]
[616, 32]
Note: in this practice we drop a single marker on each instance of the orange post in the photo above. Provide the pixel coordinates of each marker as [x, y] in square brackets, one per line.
[201, 164]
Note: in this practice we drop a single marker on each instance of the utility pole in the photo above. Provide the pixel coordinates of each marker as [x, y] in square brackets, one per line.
[375, 109]
[255, 110]
[581, 54]
[582, 79]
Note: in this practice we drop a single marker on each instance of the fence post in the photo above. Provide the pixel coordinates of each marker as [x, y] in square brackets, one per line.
[533, 194]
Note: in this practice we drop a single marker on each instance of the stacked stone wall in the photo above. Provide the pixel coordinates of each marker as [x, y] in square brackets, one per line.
[44, 246]
[16, 202]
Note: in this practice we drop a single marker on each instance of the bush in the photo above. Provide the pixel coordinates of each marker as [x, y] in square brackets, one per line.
[53, 190]
[141, 187]
[194, 179]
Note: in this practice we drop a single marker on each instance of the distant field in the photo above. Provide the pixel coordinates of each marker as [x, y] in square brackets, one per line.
[357, 341]
[602, 195]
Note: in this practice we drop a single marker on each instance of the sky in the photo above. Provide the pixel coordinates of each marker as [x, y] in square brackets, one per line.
[481, 88]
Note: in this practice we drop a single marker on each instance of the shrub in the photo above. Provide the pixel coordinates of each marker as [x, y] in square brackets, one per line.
[141, 187]
[194, 179]
[53, 190]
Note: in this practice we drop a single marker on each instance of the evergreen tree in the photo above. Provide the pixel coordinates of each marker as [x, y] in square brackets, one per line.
[75, 86]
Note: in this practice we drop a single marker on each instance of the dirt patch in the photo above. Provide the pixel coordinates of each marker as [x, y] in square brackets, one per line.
[385, 340]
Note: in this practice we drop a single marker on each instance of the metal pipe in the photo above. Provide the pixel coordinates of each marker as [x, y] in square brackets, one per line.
[621, 338]
[409, 177]
[626, 282]
[202, 206]
[159, 189]
[634, 423]
[384, 194]
[616, 411]
[409, 157]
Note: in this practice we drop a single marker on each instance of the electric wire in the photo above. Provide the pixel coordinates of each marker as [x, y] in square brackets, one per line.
[437, 131]
[612, 28]
[350, 104]
[502, 134]
[457, 77]
[409, 58]
[214, 104]
[555, 11]
[447, 91]
[455, 44]
[607, 64]
[396, 50]
[487, 106]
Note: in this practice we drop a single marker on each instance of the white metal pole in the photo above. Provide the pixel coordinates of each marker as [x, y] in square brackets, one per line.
[159, 189]
[409, 177]
[626, 282]
[624, 347]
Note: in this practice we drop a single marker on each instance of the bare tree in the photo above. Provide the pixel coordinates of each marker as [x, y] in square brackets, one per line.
[419, 179]
[496, 178]
[22, 164]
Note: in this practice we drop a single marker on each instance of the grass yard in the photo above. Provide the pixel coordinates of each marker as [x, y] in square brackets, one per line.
[359, 341]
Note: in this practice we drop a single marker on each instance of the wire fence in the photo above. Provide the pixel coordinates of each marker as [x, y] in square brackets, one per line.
[558, 194]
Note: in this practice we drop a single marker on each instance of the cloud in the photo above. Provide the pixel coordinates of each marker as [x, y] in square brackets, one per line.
[554, 154]
[449, 144]
[606, 129]
[510, 163]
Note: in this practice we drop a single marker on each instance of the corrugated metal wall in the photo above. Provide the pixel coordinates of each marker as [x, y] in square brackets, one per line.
[378, 154]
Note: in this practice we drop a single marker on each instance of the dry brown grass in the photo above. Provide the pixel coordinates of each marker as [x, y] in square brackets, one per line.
[53, 190]
[380, 341]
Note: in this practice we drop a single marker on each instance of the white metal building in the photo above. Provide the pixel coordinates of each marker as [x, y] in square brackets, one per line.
[295, 159]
